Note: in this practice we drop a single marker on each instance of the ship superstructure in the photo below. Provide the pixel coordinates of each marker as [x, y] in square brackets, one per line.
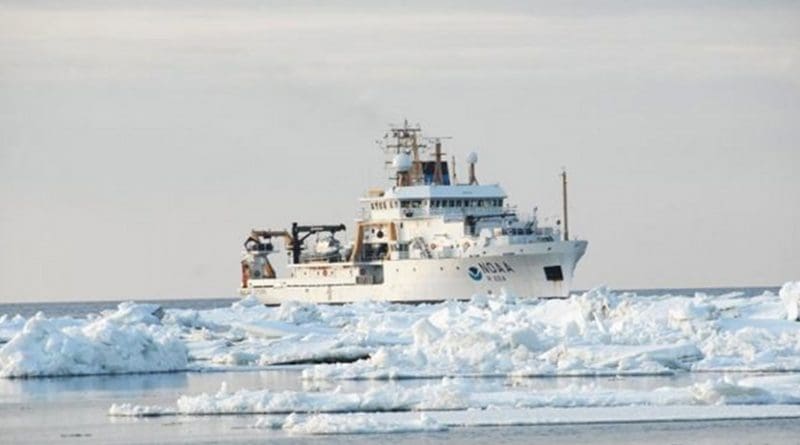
[424, 238]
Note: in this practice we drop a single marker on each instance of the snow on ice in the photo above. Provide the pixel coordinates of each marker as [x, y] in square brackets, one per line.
[358, 423]
[130, 339]
[457, 402]
[597, 333]
[461, 394]
[355, 423]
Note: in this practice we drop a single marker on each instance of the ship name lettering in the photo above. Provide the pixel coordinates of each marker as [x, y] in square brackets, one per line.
[495, 267]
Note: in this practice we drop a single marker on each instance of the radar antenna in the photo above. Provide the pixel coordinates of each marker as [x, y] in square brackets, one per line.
[406, 139]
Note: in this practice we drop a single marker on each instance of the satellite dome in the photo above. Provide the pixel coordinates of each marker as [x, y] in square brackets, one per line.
[472, 158]
[402, 162]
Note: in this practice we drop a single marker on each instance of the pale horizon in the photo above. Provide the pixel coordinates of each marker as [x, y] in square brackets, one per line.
[139, 145]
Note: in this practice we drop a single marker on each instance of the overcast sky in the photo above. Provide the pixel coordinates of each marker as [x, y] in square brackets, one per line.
[140, 141]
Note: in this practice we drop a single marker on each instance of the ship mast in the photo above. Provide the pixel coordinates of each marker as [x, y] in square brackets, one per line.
[564, 202]
[406, 140]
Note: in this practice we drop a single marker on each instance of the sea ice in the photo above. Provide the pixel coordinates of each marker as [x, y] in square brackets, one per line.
[383, 422]
[461, 394]
[9, 326]
[358, 423]
[790, 294]
[599, 332]
[130, 339]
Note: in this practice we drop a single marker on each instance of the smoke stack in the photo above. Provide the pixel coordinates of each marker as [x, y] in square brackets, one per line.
[437, 168]
[472, 159]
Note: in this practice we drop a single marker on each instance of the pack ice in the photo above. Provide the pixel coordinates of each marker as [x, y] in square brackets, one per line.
[130, 339]
[390, 407]
[597, 333]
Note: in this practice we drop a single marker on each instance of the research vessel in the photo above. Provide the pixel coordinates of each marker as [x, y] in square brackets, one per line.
[424, 237]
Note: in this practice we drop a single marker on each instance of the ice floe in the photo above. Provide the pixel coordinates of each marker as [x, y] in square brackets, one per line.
[385, 422]
[790, 294]
[130, 339]
[358, 423]
[599, 332]
[389, 407]
[461, 394]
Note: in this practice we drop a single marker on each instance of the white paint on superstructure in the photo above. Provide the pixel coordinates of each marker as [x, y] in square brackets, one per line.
[421, 239]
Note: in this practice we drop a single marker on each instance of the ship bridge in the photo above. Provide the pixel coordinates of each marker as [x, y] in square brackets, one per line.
[450, 201]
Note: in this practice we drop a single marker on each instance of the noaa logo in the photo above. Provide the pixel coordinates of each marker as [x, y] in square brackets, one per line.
[490, 270]
[475, 273]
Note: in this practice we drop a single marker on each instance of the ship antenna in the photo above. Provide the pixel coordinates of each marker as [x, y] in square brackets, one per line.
[406, 139]
[564, 201]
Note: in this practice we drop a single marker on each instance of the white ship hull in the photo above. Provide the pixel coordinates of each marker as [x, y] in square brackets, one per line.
[427, 237]
[517, 270]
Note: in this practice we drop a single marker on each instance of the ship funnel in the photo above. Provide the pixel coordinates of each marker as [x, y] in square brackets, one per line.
[472, 159]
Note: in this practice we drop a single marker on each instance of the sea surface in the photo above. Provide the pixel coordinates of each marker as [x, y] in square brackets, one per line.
[84, 308]
[75, 409]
